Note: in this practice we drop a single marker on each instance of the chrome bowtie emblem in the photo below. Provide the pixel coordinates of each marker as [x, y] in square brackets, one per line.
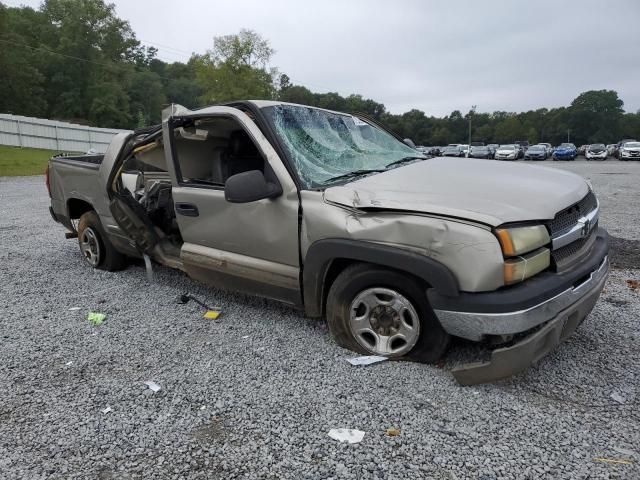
[586, 226]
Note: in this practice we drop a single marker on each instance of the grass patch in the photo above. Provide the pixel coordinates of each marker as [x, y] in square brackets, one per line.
[16, 161]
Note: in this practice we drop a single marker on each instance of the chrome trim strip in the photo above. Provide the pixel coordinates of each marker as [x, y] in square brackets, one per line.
[474, 326]
[582, 229]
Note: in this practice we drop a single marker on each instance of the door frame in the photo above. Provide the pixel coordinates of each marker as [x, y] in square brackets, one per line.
[232, 270]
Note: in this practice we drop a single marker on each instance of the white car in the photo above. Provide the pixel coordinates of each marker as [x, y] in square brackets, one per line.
[548, 147]
[507, 152]
[596, 151]
[630, 151]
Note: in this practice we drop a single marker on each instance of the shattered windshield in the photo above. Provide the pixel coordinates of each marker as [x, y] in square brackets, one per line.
[323, 145]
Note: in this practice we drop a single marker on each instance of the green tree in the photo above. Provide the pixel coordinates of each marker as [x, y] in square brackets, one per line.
[595, 116]
[22, 87]
[236, 68]
[146, 95]
[88, 30]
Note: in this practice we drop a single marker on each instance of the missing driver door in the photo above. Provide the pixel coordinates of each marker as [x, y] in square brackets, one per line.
[250, 247]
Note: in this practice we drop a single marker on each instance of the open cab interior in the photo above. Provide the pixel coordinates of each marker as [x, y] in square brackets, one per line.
[203, 153]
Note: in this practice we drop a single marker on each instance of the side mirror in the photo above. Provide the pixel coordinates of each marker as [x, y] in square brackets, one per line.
[250, 186]
[409, 142]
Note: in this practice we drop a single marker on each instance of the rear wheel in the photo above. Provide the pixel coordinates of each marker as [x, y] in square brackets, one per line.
[95, 247]
[377, 311]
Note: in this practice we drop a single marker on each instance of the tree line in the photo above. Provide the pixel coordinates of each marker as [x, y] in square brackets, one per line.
[75, 60]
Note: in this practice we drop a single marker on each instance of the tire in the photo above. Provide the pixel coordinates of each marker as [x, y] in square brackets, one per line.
[95, 246]
[362, 282]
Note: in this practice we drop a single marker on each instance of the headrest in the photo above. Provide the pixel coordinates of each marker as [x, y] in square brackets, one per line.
[241, 145]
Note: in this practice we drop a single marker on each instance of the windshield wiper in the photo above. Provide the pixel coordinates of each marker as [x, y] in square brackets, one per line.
[355, 173]
[405, 160]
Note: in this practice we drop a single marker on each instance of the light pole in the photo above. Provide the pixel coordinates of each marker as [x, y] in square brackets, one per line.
[568, 132]
[473, 110]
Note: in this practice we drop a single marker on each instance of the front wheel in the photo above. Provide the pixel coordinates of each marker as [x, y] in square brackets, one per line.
[378, 311]
[95, 247]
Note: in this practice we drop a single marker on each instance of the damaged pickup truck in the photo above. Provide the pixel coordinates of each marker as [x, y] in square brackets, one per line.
[336, 215]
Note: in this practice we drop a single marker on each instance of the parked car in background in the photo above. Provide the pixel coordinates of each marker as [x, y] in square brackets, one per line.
[477, 144]
[536, 152]
[582, 149]
[630, 151]
[619, 145]
[480, 152]
[507, 152]
[565, 151]
[523, 145]
[548, 147]
[453, 151]
[465, 148]
[596, 151]
[611, 149]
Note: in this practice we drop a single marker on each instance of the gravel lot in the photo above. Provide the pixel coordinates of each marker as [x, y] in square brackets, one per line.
[254, 395]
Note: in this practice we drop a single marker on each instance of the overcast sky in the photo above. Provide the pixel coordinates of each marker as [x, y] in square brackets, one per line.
[436, 56]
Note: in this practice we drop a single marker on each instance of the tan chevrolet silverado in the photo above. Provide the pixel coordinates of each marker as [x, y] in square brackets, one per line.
[336, 215]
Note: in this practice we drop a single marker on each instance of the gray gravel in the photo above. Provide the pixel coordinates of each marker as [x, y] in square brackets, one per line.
[261, 406]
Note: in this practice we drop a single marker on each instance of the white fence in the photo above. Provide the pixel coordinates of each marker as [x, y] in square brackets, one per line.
[33, 132]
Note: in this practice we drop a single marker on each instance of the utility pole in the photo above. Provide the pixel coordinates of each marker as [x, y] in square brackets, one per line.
[568, 132]
[473, 110]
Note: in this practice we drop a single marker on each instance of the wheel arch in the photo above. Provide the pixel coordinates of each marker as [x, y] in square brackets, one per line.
[76, 207]
[325, 259]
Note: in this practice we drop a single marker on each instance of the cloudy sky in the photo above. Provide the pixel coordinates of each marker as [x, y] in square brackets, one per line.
[433, 55]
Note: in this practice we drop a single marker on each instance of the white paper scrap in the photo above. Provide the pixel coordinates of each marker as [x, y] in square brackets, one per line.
[153, 386]
[366, 360]
[348, 435]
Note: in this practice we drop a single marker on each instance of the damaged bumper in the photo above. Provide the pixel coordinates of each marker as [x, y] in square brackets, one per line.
[551, 319]
[518, 357]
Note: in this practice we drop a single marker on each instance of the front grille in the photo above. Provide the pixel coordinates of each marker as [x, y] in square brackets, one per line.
[570, 253]
[567, 218]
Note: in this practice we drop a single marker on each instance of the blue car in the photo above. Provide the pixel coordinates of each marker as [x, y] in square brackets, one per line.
[566, 151]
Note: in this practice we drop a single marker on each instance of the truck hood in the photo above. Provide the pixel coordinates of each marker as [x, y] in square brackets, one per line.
[488, 192]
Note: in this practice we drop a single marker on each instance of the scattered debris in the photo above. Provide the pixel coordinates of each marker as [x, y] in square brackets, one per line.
[203, 407]
[348, 435]
[96, 318]
[617, 397]
[73, 309]
[153, 386]
[392, 432]
[211, 314]
[366, 360]
[633, 284]
[106, 410]
[244, 337]
[68, 364]
[613, 460]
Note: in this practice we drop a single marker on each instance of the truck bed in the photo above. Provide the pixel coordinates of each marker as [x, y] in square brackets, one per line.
[92, 159]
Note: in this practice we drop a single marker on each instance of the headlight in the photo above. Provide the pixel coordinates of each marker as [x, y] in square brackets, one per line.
[524, 251]
[519, 240]
[520, 268]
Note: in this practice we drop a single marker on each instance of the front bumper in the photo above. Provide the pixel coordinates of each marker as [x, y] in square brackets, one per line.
[508, 361]
[549, 306]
